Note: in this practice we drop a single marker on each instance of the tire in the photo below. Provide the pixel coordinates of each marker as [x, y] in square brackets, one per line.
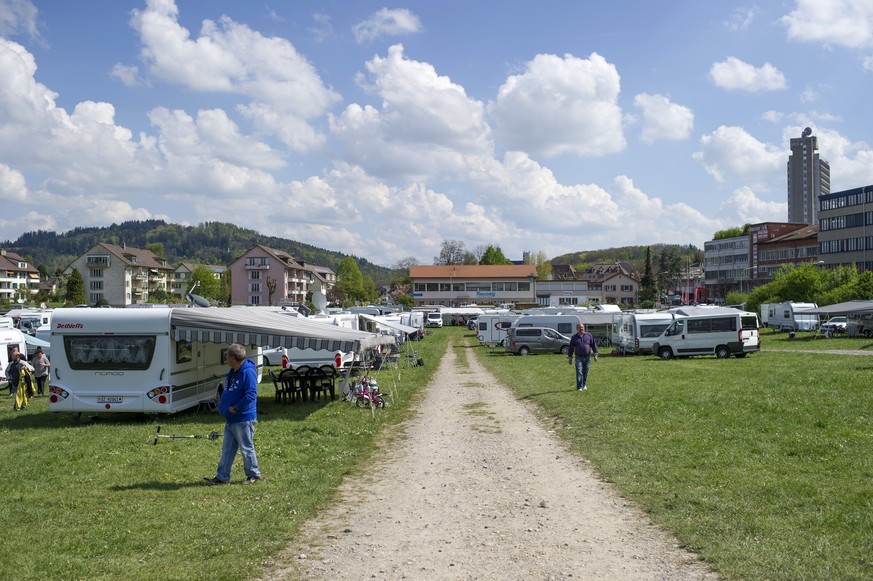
[665, 353]
[565, 350]
[524, 351]
[722, 352]
[380, 403]
[868, 333]
[362, 403]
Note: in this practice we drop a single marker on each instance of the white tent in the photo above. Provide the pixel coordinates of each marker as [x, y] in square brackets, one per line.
[254, 326]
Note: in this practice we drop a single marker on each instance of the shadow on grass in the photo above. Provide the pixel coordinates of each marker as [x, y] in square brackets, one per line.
[163, 486]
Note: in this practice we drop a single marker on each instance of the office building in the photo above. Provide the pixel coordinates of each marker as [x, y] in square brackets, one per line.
[809, 177]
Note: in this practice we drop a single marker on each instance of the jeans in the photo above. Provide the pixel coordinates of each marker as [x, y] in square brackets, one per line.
[40, 384]
[583, 364]
[238, 436]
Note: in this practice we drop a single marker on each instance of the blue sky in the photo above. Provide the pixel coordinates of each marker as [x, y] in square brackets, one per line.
[380, 130]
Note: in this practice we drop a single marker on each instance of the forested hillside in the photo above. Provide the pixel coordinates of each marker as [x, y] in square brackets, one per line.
[635, 255]
[208, 243]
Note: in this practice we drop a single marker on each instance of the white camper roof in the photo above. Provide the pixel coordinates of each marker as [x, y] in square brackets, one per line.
[219, 325]
[390, 324]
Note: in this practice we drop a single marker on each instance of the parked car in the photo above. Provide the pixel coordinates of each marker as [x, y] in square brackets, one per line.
[527, 340]
[273, 355]
[434, 319]
[834, 325]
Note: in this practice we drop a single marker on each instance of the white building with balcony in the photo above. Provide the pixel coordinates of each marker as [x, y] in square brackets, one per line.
[121, 275]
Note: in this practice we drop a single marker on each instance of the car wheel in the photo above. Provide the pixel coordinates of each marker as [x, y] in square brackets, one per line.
[524, 351]
[722, 352]
[665, 353]
[267, 362]
[868, 333]
[565, 350]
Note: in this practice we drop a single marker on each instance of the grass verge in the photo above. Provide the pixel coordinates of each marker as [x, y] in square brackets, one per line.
[99, 500]
[760, 465]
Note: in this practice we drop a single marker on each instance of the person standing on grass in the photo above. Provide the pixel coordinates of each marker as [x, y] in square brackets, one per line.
[40, 370]
[583, 345]
[12, 371]
[238, 404]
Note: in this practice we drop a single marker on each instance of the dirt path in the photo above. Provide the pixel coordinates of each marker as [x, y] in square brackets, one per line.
[479, 489]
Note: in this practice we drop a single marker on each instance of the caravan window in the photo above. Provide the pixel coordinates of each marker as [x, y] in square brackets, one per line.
[652, 331]
[184, 353]
[117, 353]
[565, 328]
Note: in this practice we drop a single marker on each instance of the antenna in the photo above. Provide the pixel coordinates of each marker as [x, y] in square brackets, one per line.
[319, 301]
[807, 132]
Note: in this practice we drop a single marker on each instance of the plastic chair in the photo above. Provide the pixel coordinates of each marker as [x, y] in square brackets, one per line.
[305, 381]
[292, 384]
[281, 393]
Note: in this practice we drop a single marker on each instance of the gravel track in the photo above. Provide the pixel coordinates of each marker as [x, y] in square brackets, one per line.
[478, 488]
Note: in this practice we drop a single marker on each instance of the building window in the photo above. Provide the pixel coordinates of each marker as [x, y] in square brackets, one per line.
[627, 288]
[95, 272]
[96, 285]
[609, 288]
[255, 300]
[257, 261]
[255, 287]
[254, 275]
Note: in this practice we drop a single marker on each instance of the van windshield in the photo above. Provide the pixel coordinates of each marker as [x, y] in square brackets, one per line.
[119, 353]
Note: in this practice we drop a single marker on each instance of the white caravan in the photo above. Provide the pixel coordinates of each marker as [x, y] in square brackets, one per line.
[790, 316]
[9, 338]
[127, 360]
[637, 332]
[491, 329]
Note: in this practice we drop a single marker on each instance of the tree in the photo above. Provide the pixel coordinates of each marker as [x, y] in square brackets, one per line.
[543, 264]
[349, 286]
[157, 249]
[75, 294]
[669, 267]
[209, 287]
[451, 252]
[648, 286]
[271, 289]
[493, 255]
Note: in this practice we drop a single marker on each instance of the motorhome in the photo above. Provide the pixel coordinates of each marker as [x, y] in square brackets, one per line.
[636, 332]
[9, 337]
[790, 316]
[127, 360]
[721, 331]
[491, 329]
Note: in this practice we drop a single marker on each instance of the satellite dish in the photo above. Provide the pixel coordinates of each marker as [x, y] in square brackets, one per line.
[319, 300]
[807, 132]
[197, 300]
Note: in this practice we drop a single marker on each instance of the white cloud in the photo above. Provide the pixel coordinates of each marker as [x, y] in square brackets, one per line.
[730, 153]
[749, 208]
[846, 23]
[735, 75]
[128, 75]
[867, 62]
[18, 17]
[740, 19]
[851, 162]
[387, 22]
[663, 119]
[561, 106]
[13, 186]
[232, 58]
[448, 126]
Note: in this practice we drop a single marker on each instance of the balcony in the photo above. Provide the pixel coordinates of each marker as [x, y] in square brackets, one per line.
[265, 266]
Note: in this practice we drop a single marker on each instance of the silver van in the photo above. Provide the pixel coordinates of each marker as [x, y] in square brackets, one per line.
[526, 340]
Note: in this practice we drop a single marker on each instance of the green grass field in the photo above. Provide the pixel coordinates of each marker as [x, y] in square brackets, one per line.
[761, 465]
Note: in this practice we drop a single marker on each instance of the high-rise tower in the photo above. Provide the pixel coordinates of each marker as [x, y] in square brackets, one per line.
[809, 177]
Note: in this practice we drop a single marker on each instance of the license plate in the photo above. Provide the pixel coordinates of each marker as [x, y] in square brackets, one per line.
[110, 399]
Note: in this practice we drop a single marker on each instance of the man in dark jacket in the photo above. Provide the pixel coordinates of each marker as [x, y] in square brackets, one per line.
[238, 404]
[583, 345]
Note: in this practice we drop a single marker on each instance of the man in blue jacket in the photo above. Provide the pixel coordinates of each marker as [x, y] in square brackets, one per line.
[584, 345]
[238, 404]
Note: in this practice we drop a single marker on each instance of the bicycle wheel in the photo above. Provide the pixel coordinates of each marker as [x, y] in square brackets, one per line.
[362, 402]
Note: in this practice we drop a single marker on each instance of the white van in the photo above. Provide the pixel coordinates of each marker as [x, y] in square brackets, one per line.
[434, 319]
[720, 331]
[126, 360]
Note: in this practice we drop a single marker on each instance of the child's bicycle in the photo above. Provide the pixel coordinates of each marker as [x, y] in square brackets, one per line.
[366, 393]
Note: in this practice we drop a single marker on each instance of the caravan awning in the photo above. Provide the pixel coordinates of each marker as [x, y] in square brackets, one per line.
[254, 326]
[390, 324]
[847, 308]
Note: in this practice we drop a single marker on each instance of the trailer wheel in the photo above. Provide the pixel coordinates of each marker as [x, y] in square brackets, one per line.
[665, 353]
[722, 352]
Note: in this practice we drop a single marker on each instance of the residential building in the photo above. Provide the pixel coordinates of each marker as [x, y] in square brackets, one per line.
[121, 275]
[18, 278]
[809, 177]
[255, 272]
[461, 284]
[182, 277]
[846, 229]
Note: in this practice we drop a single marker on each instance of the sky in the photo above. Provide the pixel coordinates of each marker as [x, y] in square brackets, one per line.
[381, 130]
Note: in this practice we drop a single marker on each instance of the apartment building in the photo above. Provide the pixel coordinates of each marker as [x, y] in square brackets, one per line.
[608, 283]
[846, 229]
[461, 284]
[18, 278]
[266, 276]
[121, 275]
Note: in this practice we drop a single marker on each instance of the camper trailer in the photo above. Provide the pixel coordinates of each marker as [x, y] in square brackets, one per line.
[790, 316]
[491, 329]
[126, 360]
[637, 332]
[9, 338]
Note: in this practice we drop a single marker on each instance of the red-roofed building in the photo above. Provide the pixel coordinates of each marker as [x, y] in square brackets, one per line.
[463, 284]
